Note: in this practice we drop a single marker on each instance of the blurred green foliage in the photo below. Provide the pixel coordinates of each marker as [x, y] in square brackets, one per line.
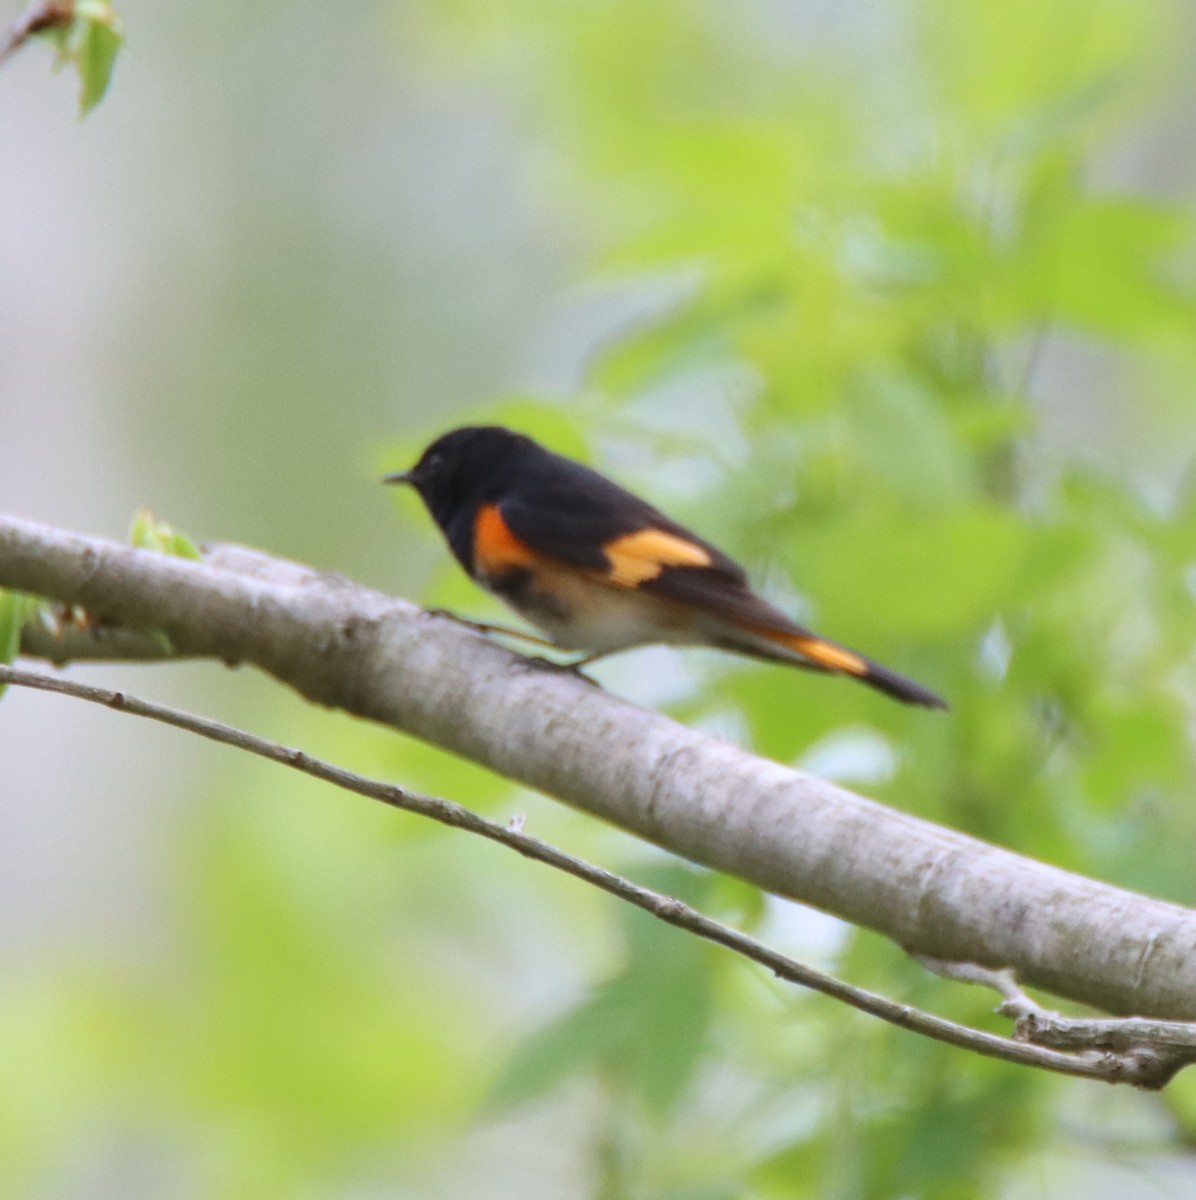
[866, 268]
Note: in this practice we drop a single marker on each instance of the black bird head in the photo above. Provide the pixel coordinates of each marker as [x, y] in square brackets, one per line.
[463, 466]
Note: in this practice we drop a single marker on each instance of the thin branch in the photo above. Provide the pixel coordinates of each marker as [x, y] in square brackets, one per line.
[932, 890]
[1107, 1065]
[1157, 1048]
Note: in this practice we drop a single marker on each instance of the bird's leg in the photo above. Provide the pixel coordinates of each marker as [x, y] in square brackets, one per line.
[534, 660]
[586, 659]
[485, 628]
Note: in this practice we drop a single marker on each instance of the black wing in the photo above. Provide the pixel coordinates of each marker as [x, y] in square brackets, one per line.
[572, 513]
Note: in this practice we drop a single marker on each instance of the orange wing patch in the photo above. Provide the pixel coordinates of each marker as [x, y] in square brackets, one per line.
[495, 548]
[637, 557]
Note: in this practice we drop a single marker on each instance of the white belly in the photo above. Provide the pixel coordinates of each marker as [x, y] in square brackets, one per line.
[579, 614]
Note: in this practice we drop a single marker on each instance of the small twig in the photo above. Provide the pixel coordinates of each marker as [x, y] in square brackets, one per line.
[36, 19]
[1157, 1049]
[1002, 981]
[1107, 1065]
[62, 634]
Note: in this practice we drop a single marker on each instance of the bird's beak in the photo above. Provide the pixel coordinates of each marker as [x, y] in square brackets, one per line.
[400, 477]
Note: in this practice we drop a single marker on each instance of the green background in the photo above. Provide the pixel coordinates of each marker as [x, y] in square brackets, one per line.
[894, 301]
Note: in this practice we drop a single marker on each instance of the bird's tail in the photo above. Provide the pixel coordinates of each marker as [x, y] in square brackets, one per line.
[805, 649]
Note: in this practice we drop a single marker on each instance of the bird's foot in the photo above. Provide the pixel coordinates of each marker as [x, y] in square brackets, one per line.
[536, 662]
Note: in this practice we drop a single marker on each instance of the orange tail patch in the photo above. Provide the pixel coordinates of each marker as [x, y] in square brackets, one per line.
[830, 657]
[825, 654]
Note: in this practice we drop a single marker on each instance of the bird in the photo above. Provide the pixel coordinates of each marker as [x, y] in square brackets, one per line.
[599, 570]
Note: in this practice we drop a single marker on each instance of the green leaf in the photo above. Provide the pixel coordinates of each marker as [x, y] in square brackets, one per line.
[884, 576]
[11, 619]
[87, 34]
[146, 532]
[906, 433]
[1104, 271]
[579, 1040]
[16, 609]
[647, 1026]
[99, 42]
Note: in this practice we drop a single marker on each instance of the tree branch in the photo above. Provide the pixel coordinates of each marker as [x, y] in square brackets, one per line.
[934, 891]
[1096, 1058]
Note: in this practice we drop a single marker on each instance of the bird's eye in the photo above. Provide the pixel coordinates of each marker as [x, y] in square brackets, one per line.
[434, 463]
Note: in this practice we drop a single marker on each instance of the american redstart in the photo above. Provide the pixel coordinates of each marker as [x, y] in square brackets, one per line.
[598, 569]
